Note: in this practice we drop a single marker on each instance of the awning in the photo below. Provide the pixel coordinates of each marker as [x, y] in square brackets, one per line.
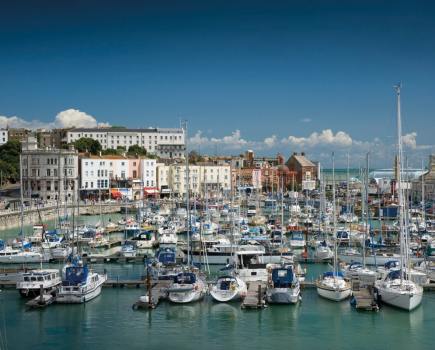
[115, 193]
[150, 191]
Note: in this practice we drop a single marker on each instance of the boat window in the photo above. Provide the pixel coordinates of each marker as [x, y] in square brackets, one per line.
[40, 278]
[26, 279]
[76, 289]
[33, 279]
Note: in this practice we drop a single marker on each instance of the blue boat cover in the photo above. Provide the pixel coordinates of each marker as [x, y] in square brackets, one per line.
[391, 264]
[166, 256]
[394, 275]
[2, 244]
[185, 278]
[282, 277]
[331, 274]
[76, 275]
[355, 264]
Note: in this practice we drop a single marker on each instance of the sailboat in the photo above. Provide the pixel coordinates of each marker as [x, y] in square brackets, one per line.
[332, 284]
[188, 286]
[228, 288]
[396, 288]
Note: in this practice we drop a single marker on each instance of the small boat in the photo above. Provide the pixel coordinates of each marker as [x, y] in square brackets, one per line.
[187, 287]
[323, 252]
[228, 288]
[31, 283]
[128, 250]
[80, 285]
[283, 286]
[297, 240]
[333, 286]
[10, 255]
[357, 270]
[145, 239]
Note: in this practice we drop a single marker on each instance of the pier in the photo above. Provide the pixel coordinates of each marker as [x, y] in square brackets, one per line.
[255, 297]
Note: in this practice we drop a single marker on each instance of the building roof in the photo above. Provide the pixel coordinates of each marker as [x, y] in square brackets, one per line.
[303, 161]
[141, 130]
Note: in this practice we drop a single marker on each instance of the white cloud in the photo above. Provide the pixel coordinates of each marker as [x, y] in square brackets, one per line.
[325, 137]
[410, 140]
[306, 120]
[271, 141]
[68, 118]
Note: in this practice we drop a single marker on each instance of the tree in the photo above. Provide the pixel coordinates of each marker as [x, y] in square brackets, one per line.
[137, 150]
[86, 144]
[10, 160]
[110, 152]
[195, 157]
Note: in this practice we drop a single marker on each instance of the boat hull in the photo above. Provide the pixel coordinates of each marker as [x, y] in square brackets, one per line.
[283, 295]
[400, 298]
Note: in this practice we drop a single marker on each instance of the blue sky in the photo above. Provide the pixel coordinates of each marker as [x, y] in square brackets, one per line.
[259, 70]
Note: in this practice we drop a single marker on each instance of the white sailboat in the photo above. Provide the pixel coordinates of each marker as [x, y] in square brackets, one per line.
[332, 284]
[396, 288]
[228, 288]
[188, 286]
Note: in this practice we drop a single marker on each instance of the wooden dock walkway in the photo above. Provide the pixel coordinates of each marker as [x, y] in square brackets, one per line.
[363, 296]
[255, 297]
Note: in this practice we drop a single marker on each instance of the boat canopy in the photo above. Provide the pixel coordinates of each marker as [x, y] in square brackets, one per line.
[331, 274]
[185, 278]
[390, 264]
[393, 275]
[282, 277]
[166, 257]
[2, 244]
[355, 264]
[75, 275]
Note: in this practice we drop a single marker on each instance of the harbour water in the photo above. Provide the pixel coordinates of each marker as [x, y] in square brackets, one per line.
[109, 321]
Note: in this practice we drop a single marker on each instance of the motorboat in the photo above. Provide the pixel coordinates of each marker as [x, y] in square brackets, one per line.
[283, 286]
[30, 284]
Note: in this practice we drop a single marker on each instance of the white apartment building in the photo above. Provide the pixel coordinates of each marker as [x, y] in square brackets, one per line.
[3, 136]
[104, 173]
[203, 178]
[48, 174]
[165, 143]
[149, 173]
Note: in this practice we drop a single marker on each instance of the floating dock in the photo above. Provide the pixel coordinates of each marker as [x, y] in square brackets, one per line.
[255, 297]
[363, 297]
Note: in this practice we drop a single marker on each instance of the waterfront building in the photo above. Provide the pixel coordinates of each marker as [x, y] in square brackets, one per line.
[165, 143]
[3, 136]
[20, 134]
[427, 178]
[204, 177]
[305, 170]
[116, 175]
[48, 173]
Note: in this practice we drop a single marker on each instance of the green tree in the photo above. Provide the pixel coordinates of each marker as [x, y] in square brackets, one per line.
[86, 144]
[10, 160]
[136, 150]
[195, 157]
[110, 152]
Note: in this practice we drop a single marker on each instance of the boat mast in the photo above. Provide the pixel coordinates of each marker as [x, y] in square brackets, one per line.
[187, 193]
[334, 220]
[366, 200]
[399, 182]
[22, 197]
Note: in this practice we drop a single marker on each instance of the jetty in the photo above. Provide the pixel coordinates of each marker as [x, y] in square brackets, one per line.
[363, 297]
[255, 297]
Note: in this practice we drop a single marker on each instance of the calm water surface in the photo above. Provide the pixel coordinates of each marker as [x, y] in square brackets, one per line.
[109, 322]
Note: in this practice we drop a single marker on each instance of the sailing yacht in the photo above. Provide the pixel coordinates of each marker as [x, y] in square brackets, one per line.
[332, 284]
[396, 288]
[228, 288]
